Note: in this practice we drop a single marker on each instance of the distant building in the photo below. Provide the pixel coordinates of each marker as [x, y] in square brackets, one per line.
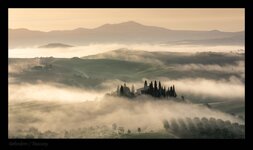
[124, 91]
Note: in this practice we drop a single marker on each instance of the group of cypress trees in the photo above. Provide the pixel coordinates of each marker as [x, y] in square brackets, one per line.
[159, 91]
[155, 90]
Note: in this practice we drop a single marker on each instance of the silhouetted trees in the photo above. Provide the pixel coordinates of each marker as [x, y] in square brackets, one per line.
[151, 88]
[121, 90]
[154, 89]
[145, 83]
[160, 86]
[158, 91]
[205, 128]
[164, 92]
[155, 86]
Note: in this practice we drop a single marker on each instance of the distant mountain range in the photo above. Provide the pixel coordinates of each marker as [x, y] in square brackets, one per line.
[125, 33]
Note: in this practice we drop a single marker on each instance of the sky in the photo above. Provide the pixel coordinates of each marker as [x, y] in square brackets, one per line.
[230, 20]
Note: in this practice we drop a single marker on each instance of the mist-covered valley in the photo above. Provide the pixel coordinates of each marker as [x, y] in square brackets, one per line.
[59, 97]
[126, 73]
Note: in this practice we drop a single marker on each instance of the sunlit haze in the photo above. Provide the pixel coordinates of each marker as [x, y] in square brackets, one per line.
[176, 19]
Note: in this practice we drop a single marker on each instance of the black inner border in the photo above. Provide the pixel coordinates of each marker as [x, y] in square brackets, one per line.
[122, 143]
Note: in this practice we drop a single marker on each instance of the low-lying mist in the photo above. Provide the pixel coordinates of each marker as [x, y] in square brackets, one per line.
[69, 99]
[93, 49]
[239, 67]
[227, 89]
[60, 109]
[50, 92]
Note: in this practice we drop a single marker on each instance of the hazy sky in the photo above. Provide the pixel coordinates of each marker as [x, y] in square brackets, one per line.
[187, 19]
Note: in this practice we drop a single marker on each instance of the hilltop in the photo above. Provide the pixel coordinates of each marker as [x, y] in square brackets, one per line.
[55, 45]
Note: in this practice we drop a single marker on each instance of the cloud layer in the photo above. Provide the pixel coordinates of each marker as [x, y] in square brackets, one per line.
[93, 49]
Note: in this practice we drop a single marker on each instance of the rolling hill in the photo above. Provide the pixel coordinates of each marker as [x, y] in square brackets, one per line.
[170, 58]
[55, 45]
[125, 65]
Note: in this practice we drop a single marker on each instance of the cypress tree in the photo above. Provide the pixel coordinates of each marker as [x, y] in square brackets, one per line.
[155, 89]
[145, 83]
[160, 86]
[146, 87]
[151, 88]
[164, 92]
[174, 91]
[121, 90]
[155, 85]
[159, 89]
[171, 91]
